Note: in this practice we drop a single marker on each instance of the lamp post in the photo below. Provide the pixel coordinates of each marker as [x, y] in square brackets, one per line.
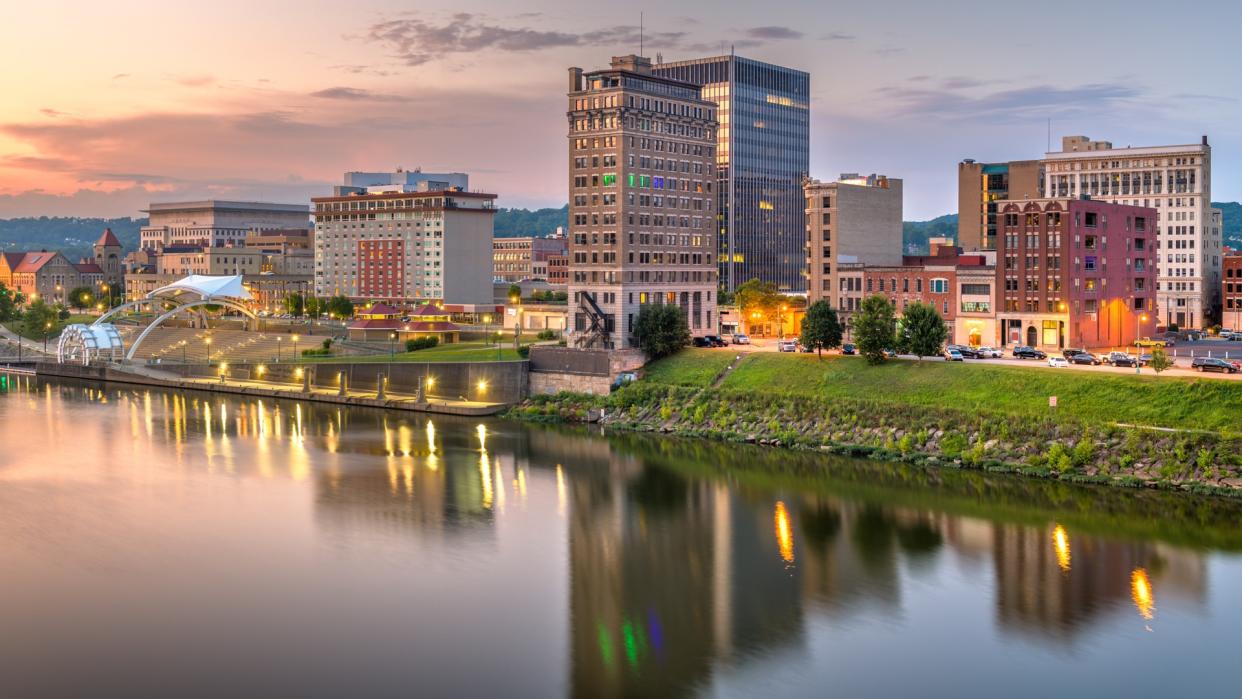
[295, 347]
[183, 344]
[1139, 319]
[47, 330]
[207, 341]
[392, 344]
[278, 349]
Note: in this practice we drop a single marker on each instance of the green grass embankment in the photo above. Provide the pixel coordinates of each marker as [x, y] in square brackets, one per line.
[452, 352]
[1158, 401]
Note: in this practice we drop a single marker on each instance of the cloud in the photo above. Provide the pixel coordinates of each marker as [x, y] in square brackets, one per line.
[773, 33]
[416, 42]
[120, 76]
[195, 80]
[356, 95]
[837, 36]
[51, 112]
[1040, 101]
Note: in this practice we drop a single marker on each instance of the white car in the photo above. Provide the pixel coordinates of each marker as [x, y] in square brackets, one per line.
[1058, 362]
[989, 353]
[787, 346]
[740, 339]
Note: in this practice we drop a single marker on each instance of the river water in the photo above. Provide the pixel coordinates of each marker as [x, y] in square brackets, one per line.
[164, 544]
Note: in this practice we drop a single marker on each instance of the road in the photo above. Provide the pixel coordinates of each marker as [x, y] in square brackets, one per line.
[1181, 355]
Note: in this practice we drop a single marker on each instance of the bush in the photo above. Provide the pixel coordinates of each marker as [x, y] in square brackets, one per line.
[327, 344]
[421, 343]
[546, 335]
[319, 352]
[524, 351]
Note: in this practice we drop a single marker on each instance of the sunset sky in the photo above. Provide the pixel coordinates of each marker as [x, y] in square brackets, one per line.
[110, 105]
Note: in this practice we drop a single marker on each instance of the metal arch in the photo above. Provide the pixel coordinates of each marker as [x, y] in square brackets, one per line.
[129, 356]
[122, 307]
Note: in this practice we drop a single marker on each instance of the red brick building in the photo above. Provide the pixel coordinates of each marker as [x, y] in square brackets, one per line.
[1231, 291]
[930, 279]
[1075, 273]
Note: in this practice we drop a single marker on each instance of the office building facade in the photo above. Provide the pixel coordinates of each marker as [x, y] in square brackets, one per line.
[405, 246]
[854, 220]
[642, 201]
[762, 156]
[1231, 291]
[216, 223]
[1075, 273]
[980, 186]
[526, 258]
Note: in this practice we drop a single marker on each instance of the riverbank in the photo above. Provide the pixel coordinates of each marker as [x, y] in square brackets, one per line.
[1141, 431]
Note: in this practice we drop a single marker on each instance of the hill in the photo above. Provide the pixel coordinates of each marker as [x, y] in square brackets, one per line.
[914, 234]
[1231, 212]
[72, 236]
[514, 223]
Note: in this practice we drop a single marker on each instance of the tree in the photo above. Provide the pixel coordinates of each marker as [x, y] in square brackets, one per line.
[820, 328]
[923, 331]
[313, 306]
[340, 307]
[294, 304]
[661, 330]
[9, 301]
[873, 328]
[38, 320]
[515, 293]
[1160, 360]
[81, 297]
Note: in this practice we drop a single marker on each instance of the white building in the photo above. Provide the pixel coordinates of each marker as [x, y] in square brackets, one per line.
[1177, 182]
[401, 181]
[405, 246]
[215, 223]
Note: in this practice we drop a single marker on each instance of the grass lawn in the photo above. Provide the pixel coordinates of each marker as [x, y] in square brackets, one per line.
[16, 327]
[454, 352]
[1145, 400]
[689, 367]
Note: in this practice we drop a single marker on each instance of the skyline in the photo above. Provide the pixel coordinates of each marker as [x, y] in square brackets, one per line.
[124, 106]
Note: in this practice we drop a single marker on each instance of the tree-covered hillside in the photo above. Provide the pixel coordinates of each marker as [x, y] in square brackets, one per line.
[512, 223]
[1231, 213]
[72, 236]
[915, 234]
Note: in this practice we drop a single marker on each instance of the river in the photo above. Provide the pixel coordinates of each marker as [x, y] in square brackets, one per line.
[171, 544]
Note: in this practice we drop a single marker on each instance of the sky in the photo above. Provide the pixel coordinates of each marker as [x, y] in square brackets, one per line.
[110, 106]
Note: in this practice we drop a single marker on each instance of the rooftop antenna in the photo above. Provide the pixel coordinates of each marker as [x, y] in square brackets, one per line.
[640, 33]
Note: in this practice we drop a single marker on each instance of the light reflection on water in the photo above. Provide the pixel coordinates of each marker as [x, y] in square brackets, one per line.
[188, 543]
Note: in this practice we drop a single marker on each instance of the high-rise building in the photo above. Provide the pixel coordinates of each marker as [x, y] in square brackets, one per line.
[526, 258]
[216, 223]
[641, 201]
[980, 186]
[405, 246]
[1075, 273]
[854, 220]
[762, 156]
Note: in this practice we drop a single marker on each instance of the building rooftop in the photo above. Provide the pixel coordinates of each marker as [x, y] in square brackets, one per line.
[219, 204]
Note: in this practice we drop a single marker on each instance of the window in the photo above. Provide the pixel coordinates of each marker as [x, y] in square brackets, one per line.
[941, 286]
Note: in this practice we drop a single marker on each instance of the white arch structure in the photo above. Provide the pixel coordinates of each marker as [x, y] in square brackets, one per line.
[82, 343]
[191, 292]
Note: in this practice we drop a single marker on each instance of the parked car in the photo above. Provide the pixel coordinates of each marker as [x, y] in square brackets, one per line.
[890, 353]
[1122, 359]
[1212, 364]
[1058, 362]
[701, 342]
[804, 349]
[740, 339]
[1084, 358]
[952, 355]
[715, 340]
[848, 348]
[967, 351]
[986, 352]
[1069, 353]
[1144, 359]
[1024, 352]
[787, 346]
[1149, 342]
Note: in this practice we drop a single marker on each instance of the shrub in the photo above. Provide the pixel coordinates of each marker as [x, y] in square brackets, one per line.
[1084, 451]
[421, 343]
[546, 335]
[953, 444]
[523, 351]
[1058, 458]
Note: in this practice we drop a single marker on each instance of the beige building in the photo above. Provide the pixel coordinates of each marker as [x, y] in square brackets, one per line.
[519, 259]
[852, 221]
[400, 246]
[642, 153]
[214, 223]
[975, 323]
[980, 186]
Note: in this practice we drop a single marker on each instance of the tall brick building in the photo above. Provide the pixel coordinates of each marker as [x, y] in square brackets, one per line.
[642, 217]
[1075, 273]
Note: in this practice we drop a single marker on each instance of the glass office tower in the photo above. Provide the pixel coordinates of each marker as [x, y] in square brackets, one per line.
[763, 154]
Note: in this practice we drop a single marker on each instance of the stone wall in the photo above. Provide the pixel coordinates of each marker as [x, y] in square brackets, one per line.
[551, 383]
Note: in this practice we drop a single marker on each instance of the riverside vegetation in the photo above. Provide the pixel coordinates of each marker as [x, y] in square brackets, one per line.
[1136, 431]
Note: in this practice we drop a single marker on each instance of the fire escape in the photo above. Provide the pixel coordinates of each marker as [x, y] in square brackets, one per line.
[596, 334]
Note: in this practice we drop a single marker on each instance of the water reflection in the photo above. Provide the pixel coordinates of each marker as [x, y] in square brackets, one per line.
[680, 567]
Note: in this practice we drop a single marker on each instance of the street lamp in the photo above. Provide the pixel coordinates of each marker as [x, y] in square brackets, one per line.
[392, 344]
[278, 349]
[295, 347]
[47, 330]
[207, 341]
